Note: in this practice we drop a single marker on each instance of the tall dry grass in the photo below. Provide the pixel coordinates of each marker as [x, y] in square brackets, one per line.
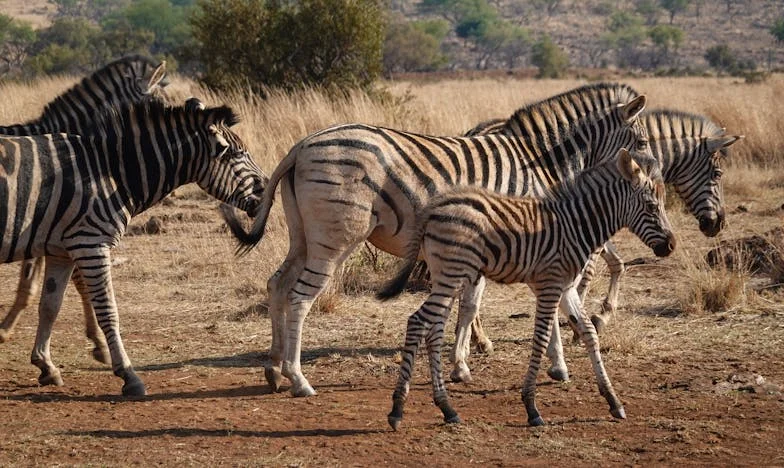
[273, 125]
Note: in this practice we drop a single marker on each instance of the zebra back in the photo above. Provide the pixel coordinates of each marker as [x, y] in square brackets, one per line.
[131, 79]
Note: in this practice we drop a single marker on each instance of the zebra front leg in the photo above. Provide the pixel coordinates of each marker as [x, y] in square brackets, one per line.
[571, 301]
[467, 316]
[25, 290]
[547, 300]
[100, 349]
[98, 283]
[56, 275]
[617, 270]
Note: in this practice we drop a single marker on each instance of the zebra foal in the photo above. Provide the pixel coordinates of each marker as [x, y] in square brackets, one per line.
[469, 234]
[351, 183]
[70, 198]
[131, 79]
[691, 150]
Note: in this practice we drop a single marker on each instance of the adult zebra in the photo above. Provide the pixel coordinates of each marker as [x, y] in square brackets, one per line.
[70, 198]
[349, 183]
[690, 149]
[471, 233]
[134, 78]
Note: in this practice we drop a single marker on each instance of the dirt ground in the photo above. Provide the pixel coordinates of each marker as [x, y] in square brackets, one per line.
[698, 388]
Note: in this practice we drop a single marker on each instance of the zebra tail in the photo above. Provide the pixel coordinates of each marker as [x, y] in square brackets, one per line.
[399, 282]
[248, 240]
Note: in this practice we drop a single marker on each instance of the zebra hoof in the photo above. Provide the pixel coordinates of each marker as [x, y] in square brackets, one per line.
[485, 347]
[453, 420]
[134, 388]
[4, 336]
[101, 354]
[394, 422]
[303, 391]
[598, 323]
[461, 375]
[50, 377]
[537, 421]
[558, 374]
[618, 413]
[274, 378]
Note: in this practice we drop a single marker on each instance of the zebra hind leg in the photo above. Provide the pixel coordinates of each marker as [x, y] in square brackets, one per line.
[56, 276]
[467, 317]
[434, 339]
[93, 332]
[26, 289]
[546, 309]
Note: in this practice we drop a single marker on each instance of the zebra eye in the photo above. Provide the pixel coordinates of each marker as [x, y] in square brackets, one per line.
[717, 173]
[642, 145]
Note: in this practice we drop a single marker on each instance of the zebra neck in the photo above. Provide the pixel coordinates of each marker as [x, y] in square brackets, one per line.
[675, 163]
[145, 170]
[590, 212]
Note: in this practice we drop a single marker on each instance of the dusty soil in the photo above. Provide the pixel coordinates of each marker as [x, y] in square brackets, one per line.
[698, 388]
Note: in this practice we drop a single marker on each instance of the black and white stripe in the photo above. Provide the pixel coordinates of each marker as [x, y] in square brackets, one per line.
[130, 79]
[70, 198]
[469, 234]
[351, 183]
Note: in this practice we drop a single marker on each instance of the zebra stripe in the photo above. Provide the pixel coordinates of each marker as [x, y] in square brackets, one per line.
[351, 183]
[472, 233]
[130, 79]
[690, 149]
[70, 198]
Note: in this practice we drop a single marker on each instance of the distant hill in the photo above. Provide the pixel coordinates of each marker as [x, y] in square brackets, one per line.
[576, 26]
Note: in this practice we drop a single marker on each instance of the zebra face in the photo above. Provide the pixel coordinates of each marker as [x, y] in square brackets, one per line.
[233, 176]
[648, 219]
[700, 184]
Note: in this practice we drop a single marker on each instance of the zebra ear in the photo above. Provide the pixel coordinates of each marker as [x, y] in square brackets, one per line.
[218, 135]
[158, 77]
[629, 168]
[716, 143]
[633, 108]
[194, 104]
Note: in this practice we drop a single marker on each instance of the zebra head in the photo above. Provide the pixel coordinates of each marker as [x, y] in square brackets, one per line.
[624, 129]
[692, 149]
[648, 220]
[231, 174]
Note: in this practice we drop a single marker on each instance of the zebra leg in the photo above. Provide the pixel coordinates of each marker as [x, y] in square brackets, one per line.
[547, 300]
[56, 276]
[571, 301]
[434, 340]
[27, 288]
[100, 349]
[418, 327]
[558, 370]
[98, 285]
[479, 337]
[278, 286]
[589, 270]
[469, 307]
[610, 304]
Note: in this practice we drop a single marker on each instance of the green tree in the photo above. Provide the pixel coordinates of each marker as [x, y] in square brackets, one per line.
[329, 43]
[674, 7]
[550, 59]
[16, 39]
[68, 45]
[414, 45]
[721, 57]
[625, 34]
[667, 40]
[648, 9]
[777, 30]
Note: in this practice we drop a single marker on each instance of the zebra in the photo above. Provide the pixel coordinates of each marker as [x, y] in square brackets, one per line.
[70, 198]
[471, 233]
[690, 149]
[350, 183]
[133, 78]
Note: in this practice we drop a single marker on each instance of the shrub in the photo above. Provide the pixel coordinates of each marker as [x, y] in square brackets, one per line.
[550, 59]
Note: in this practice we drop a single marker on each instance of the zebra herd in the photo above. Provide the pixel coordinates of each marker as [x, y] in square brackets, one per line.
[534, 198]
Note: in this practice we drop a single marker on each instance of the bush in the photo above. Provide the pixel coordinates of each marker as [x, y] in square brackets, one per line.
[550, 59]
[414, 46]
[327, 43]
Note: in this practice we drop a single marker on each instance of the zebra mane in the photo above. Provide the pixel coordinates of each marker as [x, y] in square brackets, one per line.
[119, 117]
[61, 101]
[664, 124]
[594, 97]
